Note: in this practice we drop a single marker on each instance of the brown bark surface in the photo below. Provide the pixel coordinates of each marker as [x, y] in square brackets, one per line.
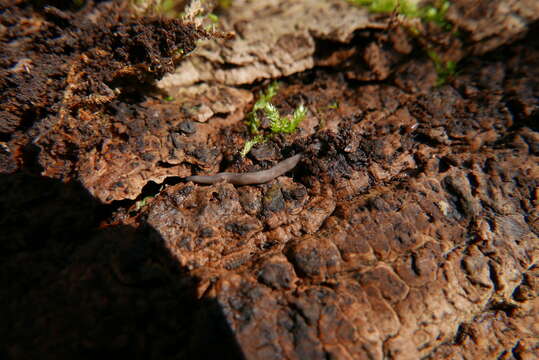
[408, 230]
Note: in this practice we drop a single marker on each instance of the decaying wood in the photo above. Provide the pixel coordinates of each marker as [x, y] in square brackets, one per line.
[408, 230]
[274, 38]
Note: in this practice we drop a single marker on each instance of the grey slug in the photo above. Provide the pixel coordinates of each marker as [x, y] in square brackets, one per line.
[256, 177]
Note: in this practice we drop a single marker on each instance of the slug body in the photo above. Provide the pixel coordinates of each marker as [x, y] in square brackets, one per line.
[256, 177]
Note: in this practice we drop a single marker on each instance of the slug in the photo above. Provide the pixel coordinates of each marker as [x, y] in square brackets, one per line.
[256, 177]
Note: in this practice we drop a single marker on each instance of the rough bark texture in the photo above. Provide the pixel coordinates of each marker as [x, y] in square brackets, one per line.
[408, 230]
[282, 40]
[413, 227]
[491, 24]
[279, 38]
[71, 87]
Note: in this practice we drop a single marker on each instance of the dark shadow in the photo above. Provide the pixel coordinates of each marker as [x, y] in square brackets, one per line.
[70, 289]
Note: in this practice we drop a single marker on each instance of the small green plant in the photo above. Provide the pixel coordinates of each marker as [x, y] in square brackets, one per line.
[161, 7]
[445, 70]
[334, 105]
[434, 13]
[166, 7]
[431, 13]
[285, 125]
[213, 18]
[264, 98]
[195, 11]
[213, 21]
[141, 203]
[258, 139]
[404, 7]
[278, 124]
[224, 4]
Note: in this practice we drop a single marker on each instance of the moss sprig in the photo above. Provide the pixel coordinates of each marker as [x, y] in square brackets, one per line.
[278, 124]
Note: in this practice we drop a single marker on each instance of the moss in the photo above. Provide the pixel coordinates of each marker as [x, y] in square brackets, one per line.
[278, 124]
[437, 13]
[224, 4]
[431, 13]
[404, 7]
[334, 105]
[264, 98]
[176, 9]
[434, 13]
[285, 125]
[166, 8]
[444, 70]
[213, 18]
[258, 139]
[142, 203]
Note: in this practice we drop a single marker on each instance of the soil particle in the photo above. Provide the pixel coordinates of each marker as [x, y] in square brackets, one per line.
[265, 152]
[314, 259]
[188, 127]
[277, 273]
[251, 200]
[273, 200]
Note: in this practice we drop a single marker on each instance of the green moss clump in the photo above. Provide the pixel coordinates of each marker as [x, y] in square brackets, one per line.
[278, 124]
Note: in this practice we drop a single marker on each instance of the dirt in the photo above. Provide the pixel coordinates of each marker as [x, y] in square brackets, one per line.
[408, 230]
